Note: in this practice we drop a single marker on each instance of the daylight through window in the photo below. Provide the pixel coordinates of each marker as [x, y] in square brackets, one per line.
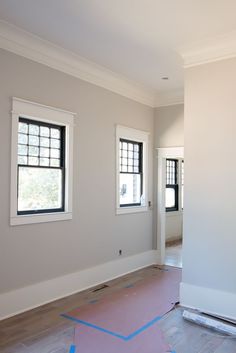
[41, 167]
[130, 173]
[172, 189]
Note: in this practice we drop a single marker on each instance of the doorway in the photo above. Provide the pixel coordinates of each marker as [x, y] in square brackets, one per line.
[170, 198]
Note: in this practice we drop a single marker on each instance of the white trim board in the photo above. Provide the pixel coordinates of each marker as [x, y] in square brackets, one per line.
[23, 43]
[162, 154]
[32, 47]
[138, 136]
[209, 50]
[171, 97]
[207, 300]
[23, 299]
[39, 112]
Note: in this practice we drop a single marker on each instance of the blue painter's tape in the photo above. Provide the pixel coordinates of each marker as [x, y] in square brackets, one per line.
[93, 301]
[94, 326]
[129, 286]
[72, 349]
[124, 338]
[143, 328]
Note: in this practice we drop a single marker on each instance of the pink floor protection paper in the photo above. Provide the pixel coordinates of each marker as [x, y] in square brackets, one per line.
[127, 321]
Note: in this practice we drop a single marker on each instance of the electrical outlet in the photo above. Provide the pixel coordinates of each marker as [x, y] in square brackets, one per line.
[120, 252]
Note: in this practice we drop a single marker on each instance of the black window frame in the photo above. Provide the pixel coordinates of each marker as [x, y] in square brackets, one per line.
[61, 166]
[182, 184]
[140, 159]
[173, 184]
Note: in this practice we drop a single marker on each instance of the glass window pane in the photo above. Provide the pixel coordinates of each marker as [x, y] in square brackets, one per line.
[22, 138]
[125, 161]
[33, 140]
[39, 189]
[55, 143]
[171, 171]
[22, 150]
[33, 151]
[130, 189]
[33, 161]
[44, 131]
[33, 129]
[55, 162]
[44, 141]
[124, 146]
[44, 162]
[131, 147]
[55, 133]
[170, 197]
[55, 153]
[44, 152]
[22, 160]
[23, 127]
[130, 161]
[124, 154]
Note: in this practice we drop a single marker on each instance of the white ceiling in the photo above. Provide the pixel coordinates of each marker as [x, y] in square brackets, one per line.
[139, 39]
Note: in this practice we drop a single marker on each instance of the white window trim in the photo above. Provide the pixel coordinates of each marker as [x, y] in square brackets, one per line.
[139, 136]
[39, 112]
[163, 154]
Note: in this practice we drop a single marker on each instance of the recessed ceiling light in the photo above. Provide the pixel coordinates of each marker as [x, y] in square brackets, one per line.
[165, 78]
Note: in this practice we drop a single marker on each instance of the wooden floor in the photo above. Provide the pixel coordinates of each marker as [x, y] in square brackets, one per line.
[173, 255]
[43, 330]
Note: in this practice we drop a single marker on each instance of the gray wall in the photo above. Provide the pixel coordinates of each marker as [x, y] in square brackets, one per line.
[210, 189]
[33, 253]
[169, 126]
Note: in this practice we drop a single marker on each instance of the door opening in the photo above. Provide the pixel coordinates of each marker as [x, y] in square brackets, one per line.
[170, 206]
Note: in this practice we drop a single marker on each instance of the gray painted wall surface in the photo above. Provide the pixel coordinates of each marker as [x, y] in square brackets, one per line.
[169, 126]
[34, 253]
[210, 189]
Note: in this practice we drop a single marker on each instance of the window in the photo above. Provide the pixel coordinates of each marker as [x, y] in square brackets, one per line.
[131, 170]
[131, 163]
[41, 167]
[42, 160]
[172, 188]
[182, 184]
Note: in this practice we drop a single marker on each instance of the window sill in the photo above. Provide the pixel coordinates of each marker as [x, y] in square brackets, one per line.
[133, 209]
[40, 218]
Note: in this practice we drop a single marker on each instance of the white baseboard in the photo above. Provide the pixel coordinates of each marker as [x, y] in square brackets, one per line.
[210, 301]
[23, 299]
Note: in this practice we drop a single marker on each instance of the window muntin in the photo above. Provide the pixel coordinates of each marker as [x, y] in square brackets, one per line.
[41, 167]
[172, 188]
[131, 172]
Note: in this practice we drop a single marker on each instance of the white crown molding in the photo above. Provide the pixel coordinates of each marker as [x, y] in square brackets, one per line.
[170, 98]
[34, 48]
[209, 50]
